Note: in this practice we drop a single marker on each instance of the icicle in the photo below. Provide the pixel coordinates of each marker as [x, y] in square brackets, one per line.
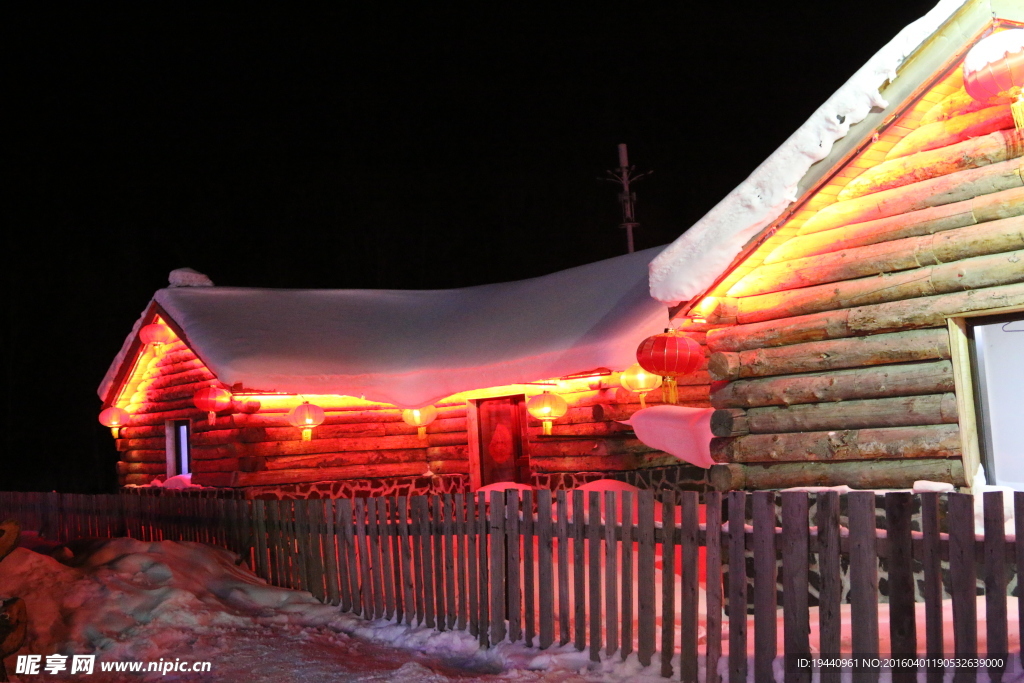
[211, 417]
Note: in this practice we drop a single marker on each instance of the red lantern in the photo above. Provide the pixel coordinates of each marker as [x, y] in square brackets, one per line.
[547, 408]
[156, 334]
[115, 418]
[306, 417]
[995, 68]
[212, 400]
[669, 355]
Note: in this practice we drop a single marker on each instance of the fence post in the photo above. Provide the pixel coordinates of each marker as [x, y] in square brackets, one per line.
[713, 576]
[902, 624]
[997, 638]
[645, 577]
[765, 584]
[795, 548]
[863, 577]
[737, 588]
[830, 595]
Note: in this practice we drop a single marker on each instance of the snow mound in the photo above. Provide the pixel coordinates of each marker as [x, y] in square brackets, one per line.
[186, 277]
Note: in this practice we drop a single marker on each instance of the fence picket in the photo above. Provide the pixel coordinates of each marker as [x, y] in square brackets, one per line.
[579, 570]
[668, 581]
[383, 519]
[496, 518]
[997, 638]
[528, 560]
[765, 580]
[427, 564]
[627, 574]
[482, 554]
[645, 577]
[1018, 520]
[449, 559]
[713, 586]
[330, 551]
[377, 543]
[962, 574]
[931, 563]
[347, 556]
[594, 567]
[562, 533]
[830, 594]
[902, 625]
[796, 626]
[611, 596]
[513, 601]
[405, 560]
[545, 573]
[436, 523]
[737, 588]
[863, 577]
[471, 561]
[460, 547]
[689, 599]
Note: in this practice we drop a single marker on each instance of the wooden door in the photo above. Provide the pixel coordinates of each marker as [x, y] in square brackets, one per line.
[501, 452]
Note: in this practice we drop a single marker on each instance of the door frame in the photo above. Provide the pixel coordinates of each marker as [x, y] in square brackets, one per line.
[473, 432]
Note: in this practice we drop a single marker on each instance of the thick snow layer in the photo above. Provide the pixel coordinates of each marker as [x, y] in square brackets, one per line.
[411, 348]
[683, 432]
[690, 265]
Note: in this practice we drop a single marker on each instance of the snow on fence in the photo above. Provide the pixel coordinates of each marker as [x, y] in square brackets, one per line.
[612, 571]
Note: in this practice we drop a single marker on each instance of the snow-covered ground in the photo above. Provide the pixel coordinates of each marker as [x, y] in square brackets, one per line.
[125, 599]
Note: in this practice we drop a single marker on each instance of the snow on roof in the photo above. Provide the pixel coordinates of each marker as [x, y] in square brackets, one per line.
[411, 348]
[690, 265]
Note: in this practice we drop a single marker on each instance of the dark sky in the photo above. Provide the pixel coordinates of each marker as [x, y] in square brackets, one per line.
[393, 149]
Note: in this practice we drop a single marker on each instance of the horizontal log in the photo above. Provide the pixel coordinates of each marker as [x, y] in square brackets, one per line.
[141, 467]
[220, 465]
[930, 441]
[837, 385]
[982, 151]
[140, 408]
[947, 189]
[729, 422]
[449, 466]
[142, 432]
[176, 361]
[438, 426]
[339, 445]
[909, 253]
[980, 209]
[953, 130]
[908, 314]
[602, 463]
[589, 429]
[218, 479]
[956, 103]
[344, 458]
[175, 392]
[898, 411]
[554, 447]
[227, 450]
[144, 455]
[978, 272]
[881, 474]
[140, 479]
[302, 476]
[150, 443]
[167, 376]
[879, 349]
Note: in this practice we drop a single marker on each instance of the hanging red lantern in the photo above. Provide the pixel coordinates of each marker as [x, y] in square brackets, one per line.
[420, 418]
[212, 400]
[994, 68]
[306, 417]
[639, 381]
[156, 334]
[669, 355]
[547, 408]
[115, 418]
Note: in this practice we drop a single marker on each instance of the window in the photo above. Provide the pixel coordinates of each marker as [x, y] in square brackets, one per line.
[179, 455]
[997, 362]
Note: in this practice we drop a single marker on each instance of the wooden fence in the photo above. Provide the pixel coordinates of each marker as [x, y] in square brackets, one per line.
[561, 568]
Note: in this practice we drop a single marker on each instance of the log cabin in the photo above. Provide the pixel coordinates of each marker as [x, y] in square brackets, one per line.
[861, 291]
[476, 355]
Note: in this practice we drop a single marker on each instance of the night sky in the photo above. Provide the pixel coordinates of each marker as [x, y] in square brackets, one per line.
[388, 150]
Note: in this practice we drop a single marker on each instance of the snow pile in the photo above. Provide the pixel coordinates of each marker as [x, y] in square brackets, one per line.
[692, 263]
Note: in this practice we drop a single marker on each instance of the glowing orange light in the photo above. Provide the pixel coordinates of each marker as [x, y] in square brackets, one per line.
[306, 417]
[547, 408]
[115, 418]
[669, 355]
[156, 334]
[212, 400]
[420, 418]
[995, 68]
[639, 381]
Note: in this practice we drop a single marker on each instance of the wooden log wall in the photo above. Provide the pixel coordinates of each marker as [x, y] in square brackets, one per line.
[835, 349]
[364, 440]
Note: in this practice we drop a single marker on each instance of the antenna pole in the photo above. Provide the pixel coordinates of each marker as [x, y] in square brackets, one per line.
[623, 175]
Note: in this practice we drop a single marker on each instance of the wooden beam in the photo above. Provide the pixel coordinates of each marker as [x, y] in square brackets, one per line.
[881, 474]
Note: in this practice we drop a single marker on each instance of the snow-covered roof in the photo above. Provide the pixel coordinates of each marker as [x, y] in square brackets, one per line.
[411, 348]
[691, 264]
